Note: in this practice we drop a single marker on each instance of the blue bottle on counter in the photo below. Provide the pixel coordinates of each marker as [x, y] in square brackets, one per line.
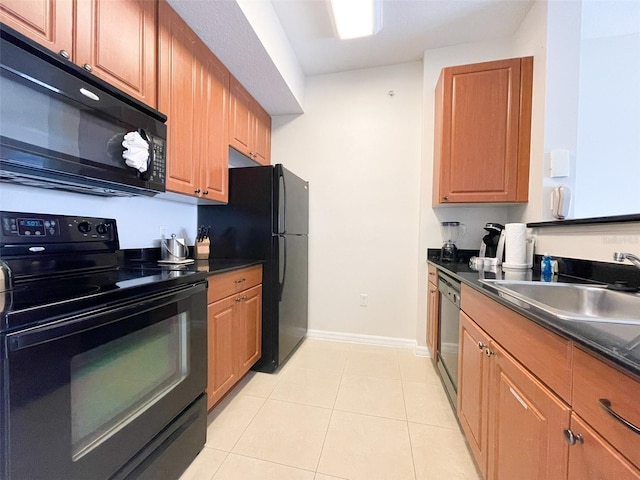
[547, 268]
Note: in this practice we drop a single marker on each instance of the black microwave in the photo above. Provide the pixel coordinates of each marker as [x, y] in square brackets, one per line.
[63, 128]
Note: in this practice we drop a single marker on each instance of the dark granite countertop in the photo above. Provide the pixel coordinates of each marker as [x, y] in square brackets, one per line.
[148, 258]
[221, 265]
[619, 343]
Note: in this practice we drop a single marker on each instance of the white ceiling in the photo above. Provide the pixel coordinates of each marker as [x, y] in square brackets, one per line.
[409, 27]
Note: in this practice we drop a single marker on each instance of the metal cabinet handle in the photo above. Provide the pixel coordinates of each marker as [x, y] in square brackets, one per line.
[238, 299]
[606, 406]
[240, 280]
[87, 67]
[481, 346]
[572, 438]
[445, 198]
[197, 190]
[488, 352]
[206, 192]
[65, 54]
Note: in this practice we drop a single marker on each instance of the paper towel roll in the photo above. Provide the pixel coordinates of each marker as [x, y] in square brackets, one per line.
[516, 245]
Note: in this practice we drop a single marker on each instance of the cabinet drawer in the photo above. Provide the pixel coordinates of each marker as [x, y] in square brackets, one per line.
[545, 354]
[432, 274]
[595, 382]
[593, 457]
[222, 285]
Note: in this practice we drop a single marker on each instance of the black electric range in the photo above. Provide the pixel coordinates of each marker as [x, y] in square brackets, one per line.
[62, 263]
[103, 361]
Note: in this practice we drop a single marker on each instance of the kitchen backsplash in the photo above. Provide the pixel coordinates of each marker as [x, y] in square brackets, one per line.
[139, 218]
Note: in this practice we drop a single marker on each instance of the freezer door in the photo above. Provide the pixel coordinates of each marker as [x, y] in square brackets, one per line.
[292, 206]
[292, 292]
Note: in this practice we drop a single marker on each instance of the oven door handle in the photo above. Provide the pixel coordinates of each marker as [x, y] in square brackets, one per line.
[94, 319]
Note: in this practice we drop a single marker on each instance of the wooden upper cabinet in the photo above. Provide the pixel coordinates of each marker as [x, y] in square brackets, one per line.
[213, 109]
[240, 119]
[194, 94]
[47, 22]
[114, 39]
[262, 148]
[249, 125]
[178, 86]
[483, 132]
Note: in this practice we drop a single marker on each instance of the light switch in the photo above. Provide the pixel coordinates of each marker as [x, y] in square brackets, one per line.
[559, 163]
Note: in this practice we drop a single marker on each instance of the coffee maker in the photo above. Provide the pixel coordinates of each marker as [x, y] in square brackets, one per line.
[492, 245]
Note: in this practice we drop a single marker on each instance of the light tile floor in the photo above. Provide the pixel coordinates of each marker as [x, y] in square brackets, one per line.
[336, 411]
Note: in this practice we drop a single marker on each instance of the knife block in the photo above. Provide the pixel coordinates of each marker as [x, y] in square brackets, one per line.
[202, 249]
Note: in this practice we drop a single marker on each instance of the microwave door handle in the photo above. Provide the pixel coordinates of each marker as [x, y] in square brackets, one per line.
[152, 156]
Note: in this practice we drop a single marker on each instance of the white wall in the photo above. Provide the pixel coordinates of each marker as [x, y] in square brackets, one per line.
[359, 147]
[551, 31]
[138, 218]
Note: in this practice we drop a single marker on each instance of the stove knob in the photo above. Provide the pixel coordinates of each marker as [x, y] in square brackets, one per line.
[102, 228]
[84, 227]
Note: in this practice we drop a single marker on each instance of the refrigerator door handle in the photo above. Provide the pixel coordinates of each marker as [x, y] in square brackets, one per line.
[282, 203]
[282, 273]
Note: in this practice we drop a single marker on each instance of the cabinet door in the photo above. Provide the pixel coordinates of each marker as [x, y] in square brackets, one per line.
[483, 116]
[250, 328]
[593, 458]
[262, 149]
[116, 40]
[526, 421]
[473, 388]
[221, 334]
[432, 319]
[213, 106]
[179, 83]
[47, 22]
[241, 121]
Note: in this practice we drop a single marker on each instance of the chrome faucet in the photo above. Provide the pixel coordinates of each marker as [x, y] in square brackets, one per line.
[621, 257]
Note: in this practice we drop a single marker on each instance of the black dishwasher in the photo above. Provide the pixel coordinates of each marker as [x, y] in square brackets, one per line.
[448, 333]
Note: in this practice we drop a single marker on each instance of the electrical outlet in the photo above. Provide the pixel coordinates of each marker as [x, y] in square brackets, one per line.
[364, 300]
[163, 231]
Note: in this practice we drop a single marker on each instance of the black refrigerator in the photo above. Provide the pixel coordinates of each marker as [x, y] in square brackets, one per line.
[267, 218]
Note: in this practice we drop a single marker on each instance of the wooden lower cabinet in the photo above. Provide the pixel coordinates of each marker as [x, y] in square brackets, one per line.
[473, 388]
[591, 457]
[530, 403]
[513, 423]
[432, 312]
[526, 420]
[223, 371]
[234, 335]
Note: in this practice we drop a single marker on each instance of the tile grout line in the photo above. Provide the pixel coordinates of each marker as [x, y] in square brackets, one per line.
[326, 433]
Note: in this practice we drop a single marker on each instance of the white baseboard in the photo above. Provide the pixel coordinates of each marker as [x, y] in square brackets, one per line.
[419, 350]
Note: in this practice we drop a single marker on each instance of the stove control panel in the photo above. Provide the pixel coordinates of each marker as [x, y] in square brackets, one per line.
[19, 228]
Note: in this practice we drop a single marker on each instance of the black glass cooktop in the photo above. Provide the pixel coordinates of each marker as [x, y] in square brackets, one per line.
[45, 299]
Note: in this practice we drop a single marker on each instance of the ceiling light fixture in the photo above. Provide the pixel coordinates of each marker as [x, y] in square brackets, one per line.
[357, 18]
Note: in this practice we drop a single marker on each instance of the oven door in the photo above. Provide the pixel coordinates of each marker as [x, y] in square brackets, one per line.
[87, 392]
